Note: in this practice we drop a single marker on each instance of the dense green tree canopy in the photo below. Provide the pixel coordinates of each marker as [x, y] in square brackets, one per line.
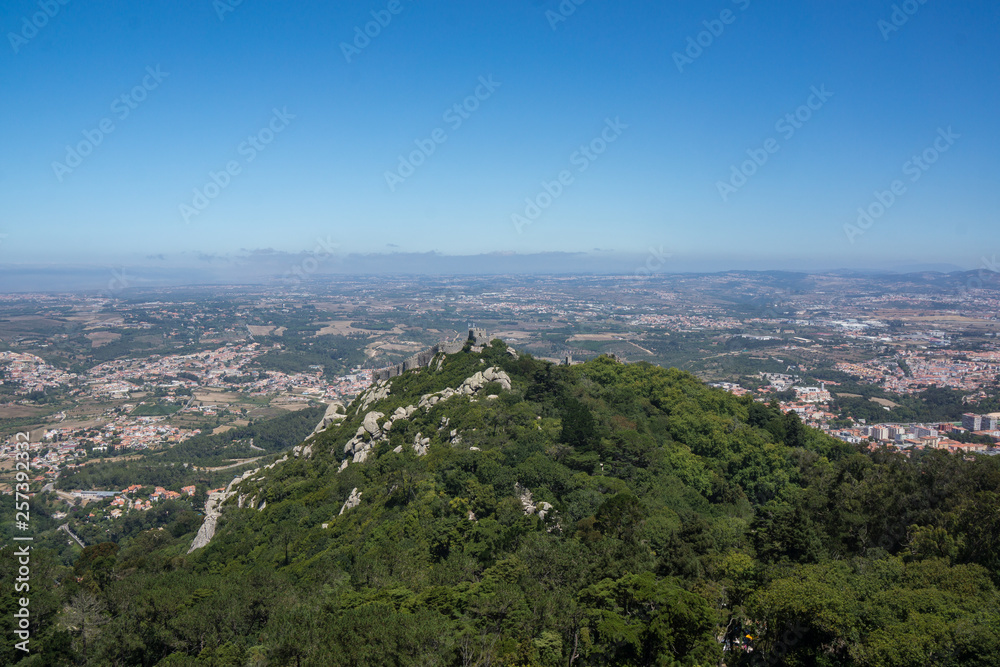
[600, 514]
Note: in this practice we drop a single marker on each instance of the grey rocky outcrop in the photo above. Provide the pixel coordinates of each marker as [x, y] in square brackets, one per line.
[375, 393]
[371, 433]
[215, 501]
[529, 505]
[370, 423]
[527, 502]
[470, 387]
[335, 412]
[352, 501]
[368, 435]
[213, 510]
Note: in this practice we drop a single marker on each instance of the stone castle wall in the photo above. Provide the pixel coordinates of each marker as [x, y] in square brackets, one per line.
[423, 359]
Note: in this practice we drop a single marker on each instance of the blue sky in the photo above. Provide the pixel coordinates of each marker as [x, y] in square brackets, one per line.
[205, 81]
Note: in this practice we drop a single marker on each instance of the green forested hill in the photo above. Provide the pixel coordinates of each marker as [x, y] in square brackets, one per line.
[601, 514]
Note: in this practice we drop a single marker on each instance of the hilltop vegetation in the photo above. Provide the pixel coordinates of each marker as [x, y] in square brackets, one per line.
[592, 515]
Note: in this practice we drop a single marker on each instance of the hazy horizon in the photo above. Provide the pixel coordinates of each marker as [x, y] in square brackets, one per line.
[298, 269]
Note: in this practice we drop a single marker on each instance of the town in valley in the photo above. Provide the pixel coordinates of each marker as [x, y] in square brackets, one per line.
[141, 397]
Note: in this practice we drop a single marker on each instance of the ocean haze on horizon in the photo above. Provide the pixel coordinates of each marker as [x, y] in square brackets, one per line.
[274, 268]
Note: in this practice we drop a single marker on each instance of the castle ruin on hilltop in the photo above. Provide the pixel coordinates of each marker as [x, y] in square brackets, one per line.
[477, 336]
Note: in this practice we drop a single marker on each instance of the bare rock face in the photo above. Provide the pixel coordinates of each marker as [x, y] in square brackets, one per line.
[421, 445]
[213, 510]
[367, 437]
[371, 422]
[527, 501]
[542, 509]
[334, 413]
[492, 374]
[470, 387]
[529, 505]
[352, 501]
[374, 394]
[213, 505]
